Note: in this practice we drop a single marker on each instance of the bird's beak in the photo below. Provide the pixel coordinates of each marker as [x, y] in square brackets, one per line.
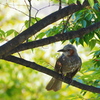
[62, 50]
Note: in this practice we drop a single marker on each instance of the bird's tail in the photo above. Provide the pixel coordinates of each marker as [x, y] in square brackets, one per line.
[54, 84]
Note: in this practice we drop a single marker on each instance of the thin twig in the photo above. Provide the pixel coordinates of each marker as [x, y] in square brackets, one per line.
[26, 4]
[60, 4]
[66, 24]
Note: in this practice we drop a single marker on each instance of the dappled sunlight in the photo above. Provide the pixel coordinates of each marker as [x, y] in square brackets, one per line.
[19, 82]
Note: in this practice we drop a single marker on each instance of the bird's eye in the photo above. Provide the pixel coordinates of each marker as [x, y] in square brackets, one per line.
[68, 50]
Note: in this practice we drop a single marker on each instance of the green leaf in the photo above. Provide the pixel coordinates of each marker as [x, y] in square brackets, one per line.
[40, 36]
[26, 23]
[98, 34]
[97, 53]
[86, 39]
[89, 16]
[91, 2]
[98, 1]
[98, 41]
[9, 32]
[38, 19]
[84, 23]
[96, 6]
[31, 22]
[12, 31]
[81, 1]
[72, 1]
[77, 16]
[72, 41]
[49, 33]
[81, 41]
[92, 43]
[2, 33]
[77, 40]
[16, 33]
[91, 35]
[53, 31]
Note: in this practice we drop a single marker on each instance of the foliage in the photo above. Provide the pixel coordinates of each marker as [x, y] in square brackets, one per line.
[21, 83]
[83, 19]
[18, 82]
[80, 19]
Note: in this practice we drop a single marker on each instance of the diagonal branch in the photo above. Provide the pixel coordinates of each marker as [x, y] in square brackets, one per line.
[51, 73]
[56, 38]
[40, 25]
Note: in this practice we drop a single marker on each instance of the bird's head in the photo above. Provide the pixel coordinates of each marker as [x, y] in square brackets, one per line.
[69, 50]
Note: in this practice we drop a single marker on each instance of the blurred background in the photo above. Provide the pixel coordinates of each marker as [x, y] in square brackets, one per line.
[18, 82]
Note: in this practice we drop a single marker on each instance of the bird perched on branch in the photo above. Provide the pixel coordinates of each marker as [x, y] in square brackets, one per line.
[68, 64]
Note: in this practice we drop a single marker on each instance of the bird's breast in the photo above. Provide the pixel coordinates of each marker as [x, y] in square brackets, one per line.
[70, 64]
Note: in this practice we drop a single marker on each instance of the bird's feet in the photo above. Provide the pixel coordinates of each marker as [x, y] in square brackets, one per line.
[70, 81]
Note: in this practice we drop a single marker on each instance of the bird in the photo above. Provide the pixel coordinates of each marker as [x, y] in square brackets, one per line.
[68, 64]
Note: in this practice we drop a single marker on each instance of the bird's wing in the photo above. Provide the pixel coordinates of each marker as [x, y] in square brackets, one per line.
[72, 74]
[58, 65]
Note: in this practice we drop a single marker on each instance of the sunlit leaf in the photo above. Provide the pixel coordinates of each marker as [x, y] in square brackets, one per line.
[81, 41]
[26, 23]
[81, 1]
[40, 35]
[98, 1]
[91, 2]
[15, 80]
[10, 32]
[92, 43]
[72, 1]
[2, 33]
[86, 39]
[31, 22]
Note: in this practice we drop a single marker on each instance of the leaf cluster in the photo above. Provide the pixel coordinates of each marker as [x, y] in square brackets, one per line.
[82, 19]
[4, 35]
[89, 74]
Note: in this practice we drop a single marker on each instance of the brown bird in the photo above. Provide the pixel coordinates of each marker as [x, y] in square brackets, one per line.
[67, 64]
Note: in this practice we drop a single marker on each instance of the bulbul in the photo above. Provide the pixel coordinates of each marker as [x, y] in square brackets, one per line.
[68, 64]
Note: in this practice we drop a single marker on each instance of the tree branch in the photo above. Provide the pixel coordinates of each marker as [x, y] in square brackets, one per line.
[56, 38]
[40, 25]
[51, 73]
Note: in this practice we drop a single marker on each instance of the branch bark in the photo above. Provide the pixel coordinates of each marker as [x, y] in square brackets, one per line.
[51, 73]
[56, 38]
[40, 25]
[15, 42]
